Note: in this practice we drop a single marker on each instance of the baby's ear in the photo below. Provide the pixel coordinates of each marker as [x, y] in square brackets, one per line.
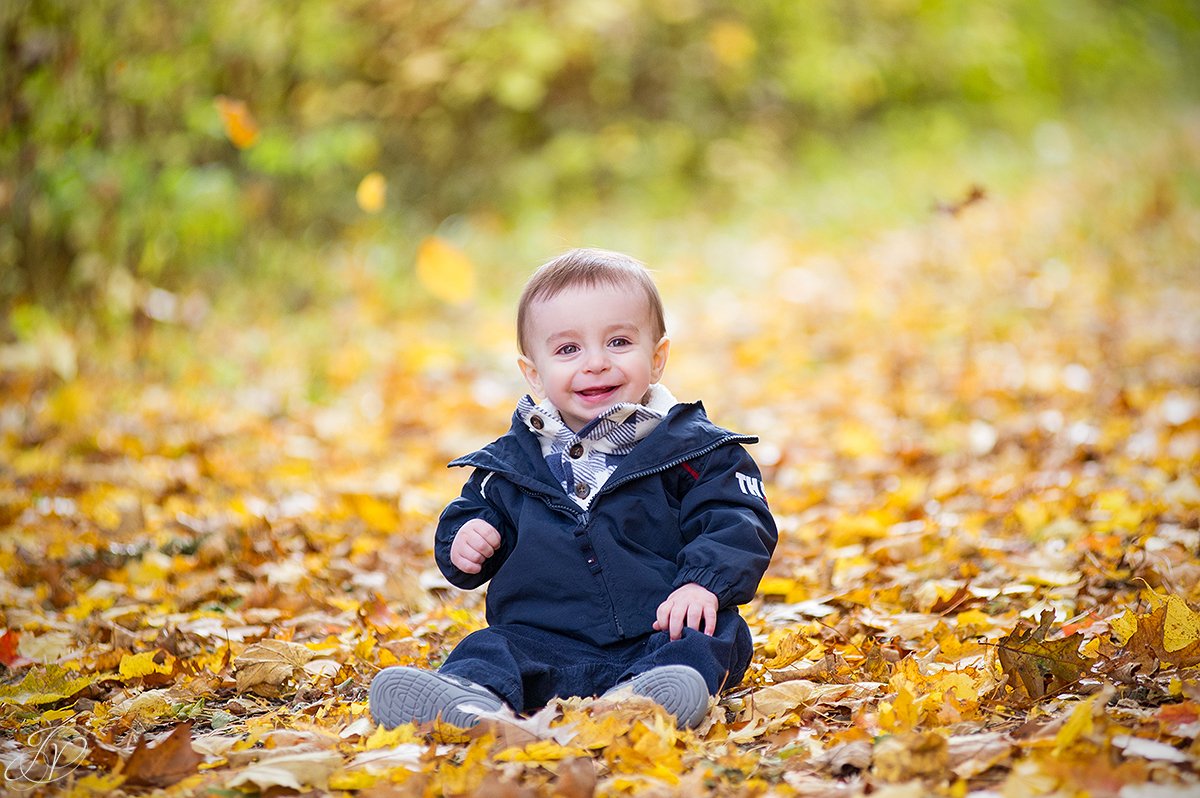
[658, 361]
[530, 373]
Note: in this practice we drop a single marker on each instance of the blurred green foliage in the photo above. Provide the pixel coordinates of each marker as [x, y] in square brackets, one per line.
[117, 169]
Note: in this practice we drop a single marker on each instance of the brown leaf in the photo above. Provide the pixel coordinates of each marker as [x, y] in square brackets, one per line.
[295, 771]
[576, 779]
[164, 763]
[1042, 666]
[267, 667]
[846, 759]
[1168, 634]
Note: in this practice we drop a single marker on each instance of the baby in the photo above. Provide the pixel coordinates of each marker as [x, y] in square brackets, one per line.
[620, 529]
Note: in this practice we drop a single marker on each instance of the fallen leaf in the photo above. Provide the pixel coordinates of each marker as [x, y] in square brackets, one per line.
[781, 698]
[371, 194]
[1149, 749]
[445, 271]
[910, 755]
[10, 656]
[239, 123]
[163, 763]
[45, 685]
[137, 665]
[308, 769]
[267, 667]
[1167, 635]
[1041, 666]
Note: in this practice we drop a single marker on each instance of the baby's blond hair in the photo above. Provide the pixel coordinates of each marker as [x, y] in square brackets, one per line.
[588, 267]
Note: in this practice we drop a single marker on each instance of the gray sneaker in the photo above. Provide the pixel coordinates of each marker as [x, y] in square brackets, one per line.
[410, 695]
[679, 689]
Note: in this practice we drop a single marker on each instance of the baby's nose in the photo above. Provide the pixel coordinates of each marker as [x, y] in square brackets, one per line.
[597, 360]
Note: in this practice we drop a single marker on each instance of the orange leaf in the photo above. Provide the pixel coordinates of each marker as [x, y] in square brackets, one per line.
[10, 657]
[239, 124]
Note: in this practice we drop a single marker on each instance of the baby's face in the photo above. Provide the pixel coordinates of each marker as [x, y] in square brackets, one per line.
[590, 348]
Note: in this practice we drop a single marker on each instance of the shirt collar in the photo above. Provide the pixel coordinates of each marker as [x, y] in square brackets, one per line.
[544, 420]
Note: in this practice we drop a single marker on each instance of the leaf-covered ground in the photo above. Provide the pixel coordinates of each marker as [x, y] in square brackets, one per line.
[981, 433]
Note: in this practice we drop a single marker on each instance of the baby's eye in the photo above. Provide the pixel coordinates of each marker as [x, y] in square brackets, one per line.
[620, 342]
[566, 349]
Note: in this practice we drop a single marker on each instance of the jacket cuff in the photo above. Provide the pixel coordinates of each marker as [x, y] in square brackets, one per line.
[708, 580]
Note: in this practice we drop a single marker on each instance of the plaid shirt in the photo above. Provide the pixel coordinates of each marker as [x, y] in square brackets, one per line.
[583, 461]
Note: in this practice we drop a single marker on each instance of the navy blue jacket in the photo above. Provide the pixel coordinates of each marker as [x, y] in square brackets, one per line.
[686, 505]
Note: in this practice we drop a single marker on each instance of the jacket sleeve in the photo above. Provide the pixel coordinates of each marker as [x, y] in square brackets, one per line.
[728, 530]
[475, 501]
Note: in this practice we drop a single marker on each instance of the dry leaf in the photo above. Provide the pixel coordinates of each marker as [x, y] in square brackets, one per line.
[445, 271]
[239, 123]
[1169, 634]
[163, 763]
[911, 755]
[1041, 666]
[788, 696]
[268, 667]
[298, 771]
[371, 194]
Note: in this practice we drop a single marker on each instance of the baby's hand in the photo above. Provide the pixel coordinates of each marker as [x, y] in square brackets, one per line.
[474, 542]
[688, 605]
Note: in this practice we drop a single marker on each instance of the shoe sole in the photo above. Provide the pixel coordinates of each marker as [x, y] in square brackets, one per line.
[679, 689]
[400, 695]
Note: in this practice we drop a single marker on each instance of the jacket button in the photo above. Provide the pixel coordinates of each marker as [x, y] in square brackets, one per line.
[576, 451]
[536, 422]
[582, 490]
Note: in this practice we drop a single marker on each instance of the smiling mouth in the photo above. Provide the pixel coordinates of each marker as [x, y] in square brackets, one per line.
[592, 393]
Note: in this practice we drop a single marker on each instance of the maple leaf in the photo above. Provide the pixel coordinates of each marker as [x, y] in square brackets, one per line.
[1168, 634]
[163, 763]
[1041, 666]
[47, 685]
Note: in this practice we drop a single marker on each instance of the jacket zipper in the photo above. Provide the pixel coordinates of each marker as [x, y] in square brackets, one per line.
[667, 466]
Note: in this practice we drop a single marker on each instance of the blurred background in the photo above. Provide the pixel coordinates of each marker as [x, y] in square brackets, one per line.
[155, 156]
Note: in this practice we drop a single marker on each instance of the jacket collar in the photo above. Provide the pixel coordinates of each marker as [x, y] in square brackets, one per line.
[615, 431]
[685, 432]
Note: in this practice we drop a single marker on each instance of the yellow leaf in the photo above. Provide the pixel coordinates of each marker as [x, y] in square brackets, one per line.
[855, 439]
[239, 124]
[353, 780]
[445, 271]
[974, 619]
[90, 605]
[390, 738]
[378, 514]
[1047, 577]
[732, 43]
[44, 686]
[539, 751]
[789, 589]
[96, 784]
[1124, 625]
[372, 193]
[1081, 723]
[136, 665]
[1182, 625]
